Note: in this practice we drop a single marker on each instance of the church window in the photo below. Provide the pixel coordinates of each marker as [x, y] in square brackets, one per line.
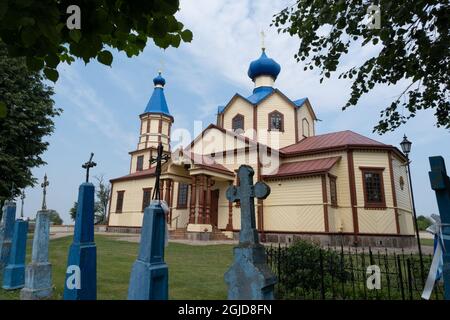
[276, 121]
[373, 187]
[146, 197]
[182, 196]
[119, 202]
[333, 191]
[305, 127]
[140, 163]
[238, 122]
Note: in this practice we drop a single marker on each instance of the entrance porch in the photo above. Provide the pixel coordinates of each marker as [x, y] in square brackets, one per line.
[195, 194]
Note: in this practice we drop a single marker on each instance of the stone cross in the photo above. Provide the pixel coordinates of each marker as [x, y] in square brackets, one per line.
[44, 186]
[159, 160]
[22, 198]
[88, 165]
[249, 277]
[440, 183]
[246, 193]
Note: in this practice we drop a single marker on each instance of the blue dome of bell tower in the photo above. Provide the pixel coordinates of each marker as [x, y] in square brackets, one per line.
[263, 66]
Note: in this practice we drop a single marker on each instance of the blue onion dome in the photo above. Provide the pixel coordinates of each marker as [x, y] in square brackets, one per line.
[264, 66]
[159, 80]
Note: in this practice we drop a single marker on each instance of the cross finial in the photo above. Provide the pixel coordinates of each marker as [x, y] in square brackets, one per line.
[12, 191]
[159, 159]
[161, 65]
[88, 165]
[263, 45]
[44, 186]
[22, 197]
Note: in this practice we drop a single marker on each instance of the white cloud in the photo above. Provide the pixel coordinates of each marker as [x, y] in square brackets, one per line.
[95, 115]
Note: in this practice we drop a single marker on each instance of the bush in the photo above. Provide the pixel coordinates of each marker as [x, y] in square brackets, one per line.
[423, 222]
[302, 266]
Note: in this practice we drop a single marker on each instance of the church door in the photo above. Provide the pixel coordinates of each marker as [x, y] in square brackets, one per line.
[214, 207]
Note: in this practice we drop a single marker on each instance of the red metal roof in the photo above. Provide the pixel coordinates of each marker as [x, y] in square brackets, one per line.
[332, 140]
[298, 168]
[137, 175]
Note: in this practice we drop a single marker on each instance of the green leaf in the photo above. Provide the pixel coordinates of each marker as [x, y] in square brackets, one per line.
[186, 35]
[28, 36]
[34, 64]
[3, 8]
[105, 57]
[2, 109]
[51, 74]
[75, 35]
[52, 60]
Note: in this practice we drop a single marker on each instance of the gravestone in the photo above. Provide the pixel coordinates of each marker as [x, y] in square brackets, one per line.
[440, 183]
[14, 273]
[81, 272]
[149, 275]
[6, 233]
[38, 273]
[249, 277]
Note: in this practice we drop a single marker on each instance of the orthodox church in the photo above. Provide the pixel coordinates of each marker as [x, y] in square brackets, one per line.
[336, 187]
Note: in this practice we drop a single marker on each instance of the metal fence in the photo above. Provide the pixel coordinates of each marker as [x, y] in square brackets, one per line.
[311, 272]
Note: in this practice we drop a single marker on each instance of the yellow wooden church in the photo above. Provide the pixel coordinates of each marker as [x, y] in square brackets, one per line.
[338, 187]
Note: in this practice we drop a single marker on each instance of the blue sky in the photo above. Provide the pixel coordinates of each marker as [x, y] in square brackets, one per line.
[102, 104]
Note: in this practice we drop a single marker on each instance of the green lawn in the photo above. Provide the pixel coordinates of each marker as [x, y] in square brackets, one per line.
[195, 272]
[427, 242]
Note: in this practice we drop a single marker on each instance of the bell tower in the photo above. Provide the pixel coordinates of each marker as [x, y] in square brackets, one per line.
[156, 122]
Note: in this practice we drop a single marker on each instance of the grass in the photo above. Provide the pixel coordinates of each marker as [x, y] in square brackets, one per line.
[427, 242]
[195, 272]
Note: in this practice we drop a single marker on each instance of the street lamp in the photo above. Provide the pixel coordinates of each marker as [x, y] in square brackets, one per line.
[406, 148]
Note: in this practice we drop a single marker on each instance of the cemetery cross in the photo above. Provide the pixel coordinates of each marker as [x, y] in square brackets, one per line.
[88, 165]
[44, 186]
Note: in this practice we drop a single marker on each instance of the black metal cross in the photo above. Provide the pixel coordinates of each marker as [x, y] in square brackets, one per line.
[44, 186]
[159, 160]
[12, 191]
[88, 165]
[22, 197]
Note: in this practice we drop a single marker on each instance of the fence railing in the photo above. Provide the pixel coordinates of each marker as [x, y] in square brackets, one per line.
[341, 273]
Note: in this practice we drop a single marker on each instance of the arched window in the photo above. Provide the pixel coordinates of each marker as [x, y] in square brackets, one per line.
[238, 122]
[305, 127]
[276, 121]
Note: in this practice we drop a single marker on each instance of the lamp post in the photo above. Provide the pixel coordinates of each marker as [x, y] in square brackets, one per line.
[406, 148]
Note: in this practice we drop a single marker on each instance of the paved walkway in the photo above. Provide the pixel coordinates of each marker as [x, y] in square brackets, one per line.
[135, 238]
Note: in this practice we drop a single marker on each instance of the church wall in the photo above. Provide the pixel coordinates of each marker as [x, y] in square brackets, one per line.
[374, 220]
[146, 163]
[132, 203]
[182, 214]
[239, 106]
[406, 220]
[276, 139]
[341, 216]
[215, 140]
[295, 205]
[303, 113]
